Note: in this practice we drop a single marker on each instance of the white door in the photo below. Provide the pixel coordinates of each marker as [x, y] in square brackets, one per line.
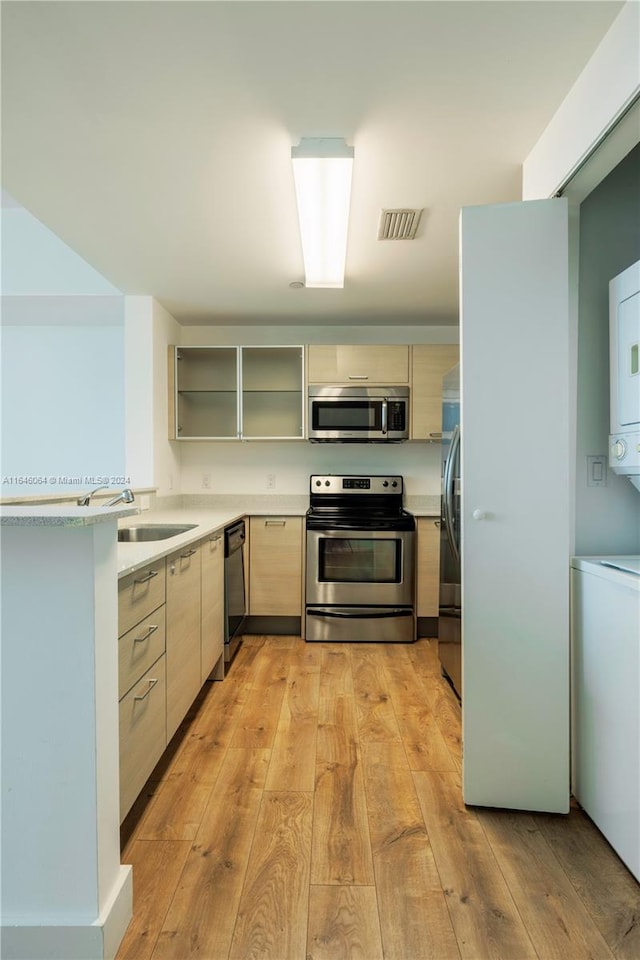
[517, 392]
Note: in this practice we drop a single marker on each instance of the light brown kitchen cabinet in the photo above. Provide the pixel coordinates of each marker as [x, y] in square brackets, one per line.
[429, 363]
[139, 593]
[428, 535]
[212, 606]
[139, 648]
[142, 718]
[141, 678]
[275, 566]
[364, 364]
[183, 634]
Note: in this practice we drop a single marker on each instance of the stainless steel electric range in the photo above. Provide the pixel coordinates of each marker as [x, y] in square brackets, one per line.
[360, 560]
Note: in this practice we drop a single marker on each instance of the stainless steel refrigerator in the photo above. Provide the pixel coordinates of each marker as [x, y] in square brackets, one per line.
[450, 605]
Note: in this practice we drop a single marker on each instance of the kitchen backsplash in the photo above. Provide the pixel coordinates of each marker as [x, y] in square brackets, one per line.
[275, 468]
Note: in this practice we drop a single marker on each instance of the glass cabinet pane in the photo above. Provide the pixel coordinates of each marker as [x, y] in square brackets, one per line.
[207, 392]
[272, 380]
[211, 402]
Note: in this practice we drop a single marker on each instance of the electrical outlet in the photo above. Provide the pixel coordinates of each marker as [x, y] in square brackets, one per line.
[271, 481]
[206, 481]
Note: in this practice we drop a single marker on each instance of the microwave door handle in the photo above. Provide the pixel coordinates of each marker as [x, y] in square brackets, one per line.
[384, 416]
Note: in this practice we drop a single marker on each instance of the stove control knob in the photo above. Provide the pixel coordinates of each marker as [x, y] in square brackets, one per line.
[318, 483]
[327, 483]
[385, 483]
[394, 483]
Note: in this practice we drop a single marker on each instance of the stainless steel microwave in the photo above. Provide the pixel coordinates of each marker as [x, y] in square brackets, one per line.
[358, 414]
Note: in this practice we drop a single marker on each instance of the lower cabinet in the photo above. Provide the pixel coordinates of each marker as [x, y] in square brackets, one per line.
[141, 678]
[212, 607]
[171, 625]
[143, 736]
[428, 535]
[275, 567]
[183, 634]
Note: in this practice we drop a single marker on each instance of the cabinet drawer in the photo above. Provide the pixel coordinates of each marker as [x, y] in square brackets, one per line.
[139, 594]
[143, 735]
[139, 648]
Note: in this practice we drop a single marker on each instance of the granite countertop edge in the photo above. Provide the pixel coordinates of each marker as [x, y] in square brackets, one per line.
[55, 515]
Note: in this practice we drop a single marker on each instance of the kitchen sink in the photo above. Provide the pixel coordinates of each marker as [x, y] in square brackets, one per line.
[144, 532]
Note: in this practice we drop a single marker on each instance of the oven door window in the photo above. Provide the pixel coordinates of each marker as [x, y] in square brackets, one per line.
[347, 415]
[347, 560]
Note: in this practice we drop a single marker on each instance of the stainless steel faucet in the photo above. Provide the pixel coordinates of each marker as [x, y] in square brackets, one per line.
[125, 497]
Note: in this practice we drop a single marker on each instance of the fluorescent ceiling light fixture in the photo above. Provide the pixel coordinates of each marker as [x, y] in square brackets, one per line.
[322, 173]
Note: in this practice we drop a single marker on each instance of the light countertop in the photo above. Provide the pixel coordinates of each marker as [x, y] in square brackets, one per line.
[133, 556]
[61, 515]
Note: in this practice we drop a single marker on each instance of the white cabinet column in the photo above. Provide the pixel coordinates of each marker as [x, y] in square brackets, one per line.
[517, 443]
[65, 895]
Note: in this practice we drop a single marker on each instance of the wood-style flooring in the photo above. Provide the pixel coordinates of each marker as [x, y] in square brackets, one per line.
[309, 808]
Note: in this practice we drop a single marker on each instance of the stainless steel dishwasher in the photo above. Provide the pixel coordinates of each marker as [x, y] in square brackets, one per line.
[235, 609]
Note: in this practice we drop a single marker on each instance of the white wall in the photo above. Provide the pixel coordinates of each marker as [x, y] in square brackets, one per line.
[139, 390]
[62, 345]
[607, 518]
[606, 87]
[36, 262]
[62, 395]
[166, 454]
[243, 467]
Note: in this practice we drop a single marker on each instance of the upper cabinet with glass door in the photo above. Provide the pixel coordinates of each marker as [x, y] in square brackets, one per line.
[231, 393]
[272, 393]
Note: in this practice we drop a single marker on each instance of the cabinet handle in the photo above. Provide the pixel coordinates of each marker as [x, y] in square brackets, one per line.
[275, 523]
[215, 539]
[189, 553]
[152, 629]
[358, 376]
[144, 695]
[436, 436]
[149, 576]
[437, 523]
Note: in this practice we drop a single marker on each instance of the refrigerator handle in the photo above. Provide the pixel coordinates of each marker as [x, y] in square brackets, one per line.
[447, 500]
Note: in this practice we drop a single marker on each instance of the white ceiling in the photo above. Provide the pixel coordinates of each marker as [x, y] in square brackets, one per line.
[154, 138]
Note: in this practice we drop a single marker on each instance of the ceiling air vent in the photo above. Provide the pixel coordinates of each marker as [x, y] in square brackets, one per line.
[399, 224]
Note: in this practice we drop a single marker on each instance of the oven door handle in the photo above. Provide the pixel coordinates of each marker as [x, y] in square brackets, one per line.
[362, 614]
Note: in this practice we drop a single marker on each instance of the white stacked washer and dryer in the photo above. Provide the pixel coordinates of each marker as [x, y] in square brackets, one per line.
[605, 615]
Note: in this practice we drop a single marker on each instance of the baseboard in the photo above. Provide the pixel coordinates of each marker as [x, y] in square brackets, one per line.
[94, 941]
[280, 626]
[428, 627]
